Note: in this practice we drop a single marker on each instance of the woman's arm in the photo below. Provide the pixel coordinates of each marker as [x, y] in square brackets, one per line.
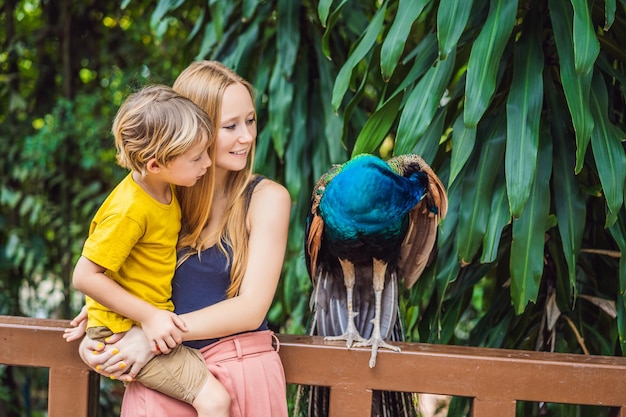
[121, 357]
[268, 217]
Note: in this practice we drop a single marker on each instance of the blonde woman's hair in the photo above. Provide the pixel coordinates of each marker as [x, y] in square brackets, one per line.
[204, 82]
[156, 122]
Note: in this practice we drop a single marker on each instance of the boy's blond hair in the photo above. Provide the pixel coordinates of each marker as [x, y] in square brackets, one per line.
[156, 122]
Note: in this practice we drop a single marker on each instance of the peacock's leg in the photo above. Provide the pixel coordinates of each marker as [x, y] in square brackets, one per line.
[376, 340]
[351, 334]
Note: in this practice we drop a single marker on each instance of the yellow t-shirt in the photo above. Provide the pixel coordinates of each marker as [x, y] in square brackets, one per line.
[134, 237]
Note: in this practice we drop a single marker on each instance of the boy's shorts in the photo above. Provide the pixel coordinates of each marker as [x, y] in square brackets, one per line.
[181, 374]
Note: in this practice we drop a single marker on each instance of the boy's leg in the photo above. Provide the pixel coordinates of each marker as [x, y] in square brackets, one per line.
[183, 374]
[212, 400]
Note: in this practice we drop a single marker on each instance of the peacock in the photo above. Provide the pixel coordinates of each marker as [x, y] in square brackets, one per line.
[372, 224]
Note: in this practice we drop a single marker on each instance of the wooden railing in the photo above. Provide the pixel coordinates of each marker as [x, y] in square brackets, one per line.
[494, 379]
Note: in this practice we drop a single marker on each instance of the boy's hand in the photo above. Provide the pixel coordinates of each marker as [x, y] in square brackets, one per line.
[79, 324]
[164, 331]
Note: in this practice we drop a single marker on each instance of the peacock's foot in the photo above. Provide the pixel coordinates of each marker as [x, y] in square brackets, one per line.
[375, 343]
[351, 334]
[350, 337]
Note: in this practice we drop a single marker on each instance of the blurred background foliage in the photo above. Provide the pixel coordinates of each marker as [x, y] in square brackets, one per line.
[519, 106]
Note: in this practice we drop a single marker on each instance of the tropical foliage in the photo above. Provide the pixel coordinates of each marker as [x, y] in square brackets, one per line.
[519, 105]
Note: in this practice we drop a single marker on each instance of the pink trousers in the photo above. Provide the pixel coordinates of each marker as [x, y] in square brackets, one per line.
[247, 365]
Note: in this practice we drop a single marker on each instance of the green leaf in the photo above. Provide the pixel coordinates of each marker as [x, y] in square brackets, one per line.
[569, 201]
[527, 247]
[586, 44]
[161, 9]
[395, 40]
[608, 151]
[288, 35]
[421, 105]
[523, 110]
[477, 192]
[362, 48]
[485, 58]
[452, 16]
[279, 107]
[332, 124]
[609, 13]
[618, 231]
[576, 86]
[428, 145]
[298, 139]
[218, 18]
[281, 87]
[426, 55]
[463, 140]
[208, 42]
[499, 216]
[329, 25]
[621, 319]
[249, 7]
[323, 8]
[377, 126]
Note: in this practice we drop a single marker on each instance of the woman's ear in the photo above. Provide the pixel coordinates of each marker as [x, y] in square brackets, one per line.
[153, 167]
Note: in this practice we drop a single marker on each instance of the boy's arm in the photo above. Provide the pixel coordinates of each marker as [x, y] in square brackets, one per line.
[163, 328]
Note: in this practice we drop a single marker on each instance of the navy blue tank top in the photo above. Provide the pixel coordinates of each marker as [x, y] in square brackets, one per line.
[203, 280]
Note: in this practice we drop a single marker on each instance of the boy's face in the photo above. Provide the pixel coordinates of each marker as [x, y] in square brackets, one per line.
[186, 169]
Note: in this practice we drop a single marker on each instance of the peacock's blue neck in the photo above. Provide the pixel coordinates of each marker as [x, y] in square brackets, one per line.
[368, 198]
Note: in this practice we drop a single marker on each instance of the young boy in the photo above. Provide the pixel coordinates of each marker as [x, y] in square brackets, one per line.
[129, 258]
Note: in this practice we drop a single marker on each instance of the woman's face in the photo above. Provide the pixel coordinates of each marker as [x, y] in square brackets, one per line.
[237, 129]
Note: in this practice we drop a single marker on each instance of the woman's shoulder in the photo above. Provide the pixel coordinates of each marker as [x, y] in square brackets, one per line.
[269, 192]
[267, 186]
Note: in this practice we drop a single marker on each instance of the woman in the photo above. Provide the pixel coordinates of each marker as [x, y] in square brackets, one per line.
[230, 259]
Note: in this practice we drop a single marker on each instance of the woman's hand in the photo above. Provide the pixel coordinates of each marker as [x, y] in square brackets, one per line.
[121, 357]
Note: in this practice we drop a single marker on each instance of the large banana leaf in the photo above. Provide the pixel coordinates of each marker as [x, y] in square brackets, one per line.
[281, 85]
[576, 86]
[377, 126]
[364, 46]
[422, 104]
[569, 203]
[523, 110]
[477, 191]
[328, 24]
[527, 247]
[484, 59]
[586, 44]
[396, 39]
[452, 17]
[608, 151]
[463, 139]
[428, 145]
[499, 216]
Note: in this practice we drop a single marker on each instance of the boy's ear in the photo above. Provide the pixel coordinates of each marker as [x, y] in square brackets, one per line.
[153, 166]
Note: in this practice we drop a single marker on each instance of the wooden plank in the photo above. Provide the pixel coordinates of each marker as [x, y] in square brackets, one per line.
[493, 408]
[498, 374]
[494, 378]
[72, 389]
[69, 392]
[346, 401]
[37, 342]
